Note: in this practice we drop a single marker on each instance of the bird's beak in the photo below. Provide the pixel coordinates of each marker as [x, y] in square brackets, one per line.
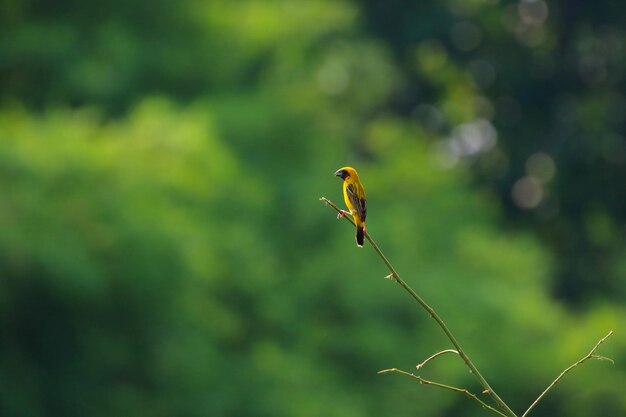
[338, 173]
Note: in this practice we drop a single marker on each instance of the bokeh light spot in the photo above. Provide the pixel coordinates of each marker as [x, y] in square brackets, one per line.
[541, 167]
[527, 193]
[333, 78]
[532, 12]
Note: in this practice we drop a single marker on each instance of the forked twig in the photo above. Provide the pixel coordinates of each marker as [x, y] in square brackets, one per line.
[588, 356]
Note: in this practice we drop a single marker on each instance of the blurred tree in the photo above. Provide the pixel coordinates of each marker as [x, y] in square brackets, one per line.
[150, 269]
[549, 77]
[175, 260]
[546, 78]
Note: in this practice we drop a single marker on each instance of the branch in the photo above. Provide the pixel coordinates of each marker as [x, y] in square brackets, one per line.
[396, 277]
[434, 356]
[588, 356]
[448, 387]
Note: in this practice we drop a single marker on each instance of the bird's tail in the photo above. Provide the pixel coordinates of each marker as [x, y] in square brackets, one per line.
[360, 235]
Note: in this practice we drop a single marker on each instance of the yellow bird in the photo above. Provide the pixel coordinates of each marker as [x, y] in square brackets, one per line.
[354, 196]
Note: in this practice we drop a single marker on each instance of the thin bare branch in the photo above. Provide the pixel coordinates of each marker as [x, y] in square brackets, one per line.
[396, 277]
[434, 356]
[444, 386]
[588, 356]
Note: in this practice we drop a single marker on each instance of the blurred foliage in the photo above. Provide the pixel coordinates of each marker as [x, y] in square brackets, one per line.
[550, 78]
[163, 251]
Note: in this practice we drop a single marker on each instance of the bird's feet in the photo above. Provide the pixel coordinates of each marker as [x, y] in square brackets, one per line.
[343, 213]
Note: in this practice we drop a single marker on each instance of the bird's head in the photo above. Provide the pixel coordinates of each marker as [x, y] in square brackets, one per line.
[346, 172]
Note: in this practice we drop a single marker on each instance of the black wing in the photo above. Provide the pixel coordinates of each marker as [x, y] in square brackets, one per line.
[356, 195]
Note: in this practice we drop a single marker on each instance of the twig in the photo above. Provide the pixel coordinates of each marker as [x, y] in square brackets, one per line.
[434, 356]
[448, 387]
[588, 356]
[433, 314]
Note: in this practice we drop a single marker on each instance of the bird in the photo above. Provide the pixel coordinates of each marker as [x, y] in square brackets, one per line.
[354, 196]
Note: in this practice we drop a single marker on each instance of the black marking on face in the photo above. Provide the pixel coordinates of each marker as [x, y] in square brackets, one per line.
[342, 173]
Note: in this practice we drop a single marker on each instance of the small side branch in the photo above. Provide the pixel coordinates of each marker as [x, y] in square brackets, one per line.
[590, 355]
[444, 386]
[434, 356]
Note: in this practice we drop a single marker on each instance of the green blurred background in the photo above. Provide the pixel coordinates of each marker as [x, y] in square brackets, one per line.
[163, 251]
